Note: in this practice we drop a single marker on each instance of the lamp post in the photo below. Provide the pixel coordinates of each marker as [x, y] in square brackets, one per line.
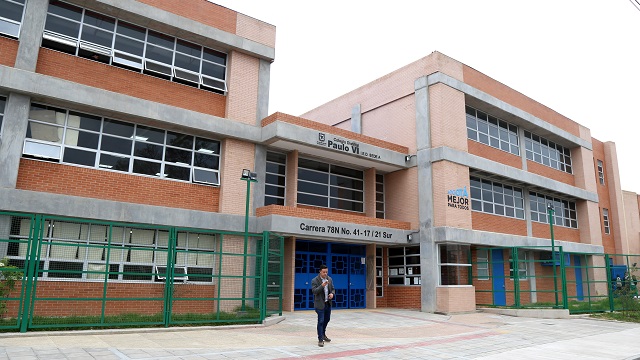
[551, 211]
[249, 177]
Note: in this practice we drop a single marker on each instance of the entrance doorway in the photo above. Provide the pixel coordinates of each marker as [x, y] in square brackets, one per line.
[347, 268]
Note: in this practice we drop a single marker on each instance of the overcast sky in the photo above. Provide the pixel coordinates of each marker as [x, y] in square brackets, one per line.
[580, 58]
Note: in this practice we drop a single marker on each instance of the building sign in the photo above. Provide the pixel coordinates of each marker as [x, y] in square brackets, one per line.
[347, 231]
[344, 145]
[458, 198]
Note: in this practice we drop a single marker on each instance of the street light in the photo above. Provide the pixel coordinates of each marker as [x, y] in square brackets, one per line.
[249, 177]
[551, 211]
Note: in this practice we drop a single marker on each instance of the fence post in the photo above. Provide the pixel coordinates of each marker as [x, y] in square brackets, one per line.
[33, 247]
[563, 277]
[607, 264]
[516, 276]
[168, 280]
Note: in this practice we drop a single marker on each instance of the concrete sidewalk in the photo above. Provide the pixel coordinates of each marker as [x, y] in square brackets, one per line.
[356, 334]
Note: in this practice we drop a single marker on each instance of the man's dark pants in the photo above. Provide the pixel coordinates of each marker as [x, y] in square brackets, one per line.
[324, 316]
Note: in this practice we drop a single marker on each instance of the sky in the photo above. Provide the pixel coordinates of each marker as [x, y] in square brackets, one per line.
[579, 58]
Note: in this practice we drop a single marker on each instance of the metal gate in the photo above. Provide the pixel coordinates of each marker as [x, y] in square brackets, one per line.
[346, 267]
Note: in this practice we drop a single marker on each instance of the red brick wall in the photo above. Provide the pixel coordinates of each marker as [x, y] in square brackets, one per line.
[199, 10]
[400, 297]
[604, 201]
[8, 51]
[499, 224]
[107, 185]
[488, 152]
[278, 116]
[329, 215]
[559, 232]
[69, 290]
[111, 78]
[549, 172]
[494, 88]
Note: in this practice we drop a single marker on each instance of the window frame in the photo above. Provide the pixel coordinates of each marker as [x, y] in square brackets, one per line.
[135, 156]
[499, 134]
[380, 194]
[523, 268]
[3, 102]
[406, 273]
[605, 221]
[120, 57]
[379, 271]
[332, 201]
[601, 172]
[277, 200]
[564, 210]
[496, 190]
[538, 149]
[482, 264]
[455, 252]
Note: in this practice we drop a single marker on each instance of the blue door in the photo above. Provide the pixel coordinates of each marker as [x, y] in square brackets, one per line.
[497, 270]
[578, 269]
[346, 268]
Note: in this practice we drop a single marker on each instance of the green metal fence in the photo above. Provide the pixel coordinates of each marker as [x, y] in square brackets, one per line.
[532, 277]
[77, 273]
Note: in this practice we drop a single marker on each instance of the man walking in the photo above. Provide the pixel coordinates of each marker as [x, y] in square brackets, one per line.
[323, 294]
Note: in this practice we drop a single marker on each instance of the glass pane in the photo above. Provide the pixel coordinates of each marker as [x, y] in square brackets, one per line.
[146, 167]
[65, 10]
[80, 157]
[312, 200]
[44, 132]
[189, 48]
[176, 172]
[205, 176]
[118, 128]
[117, 145]
[129, 45]
[206, 161]
[180, 140]
[187, 62]
[207, 146]
[131, 30]
[114, 162]
[213, 70]
[62, 26]
[161, 39]
[159, 54]
[147, 150]
[215, 56]
[99, 20]
[47, 114]
[11, 11]
[178, 156]
[84, 121]
[82, 139]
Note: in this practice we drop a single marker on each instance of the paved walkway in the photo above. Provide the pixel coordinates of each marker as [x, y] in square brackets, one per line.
[356, 334]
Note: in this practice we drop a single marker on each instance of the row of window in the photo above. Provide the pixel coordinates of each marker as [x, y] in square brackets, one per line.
[89, 251]
[502, 135]
[500, 199]
[88, 34]
[72, 137]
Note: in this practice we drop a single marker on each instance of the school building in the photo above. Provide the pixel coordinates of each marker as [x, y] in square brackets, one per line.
[410, 188]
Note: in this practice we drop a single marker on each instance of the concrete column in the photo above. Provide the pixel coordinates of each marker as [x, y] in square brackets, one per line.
[264, 76]
[617, 211]
[291, 190]
[5, 230]
[35, 14]
[260, 168]
[356, 119]
[14, 130]
[523, 150]
[527, 212]
[370, 192]
[428, 249]
[371, 277]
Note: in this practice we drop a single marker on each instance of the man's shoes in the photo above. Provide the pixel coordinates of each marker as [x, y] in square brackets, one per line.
[327, 339]
[321, 343]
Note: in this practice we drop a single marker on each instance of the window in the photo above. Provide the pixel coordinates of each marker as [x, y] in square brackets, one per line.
[521, 265]
[495, 198]
[564, 210]
[330, 186]
[547, 152]
[3, 102]
[492, 131]
[275, 182]
[72, 137]
[601, 172]
[379, 267]
[11, 13]
[455, 264]
[404, 265]
[379, 196]
[91, 35]
[74, 250]
[483, 264]
[605, 221]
